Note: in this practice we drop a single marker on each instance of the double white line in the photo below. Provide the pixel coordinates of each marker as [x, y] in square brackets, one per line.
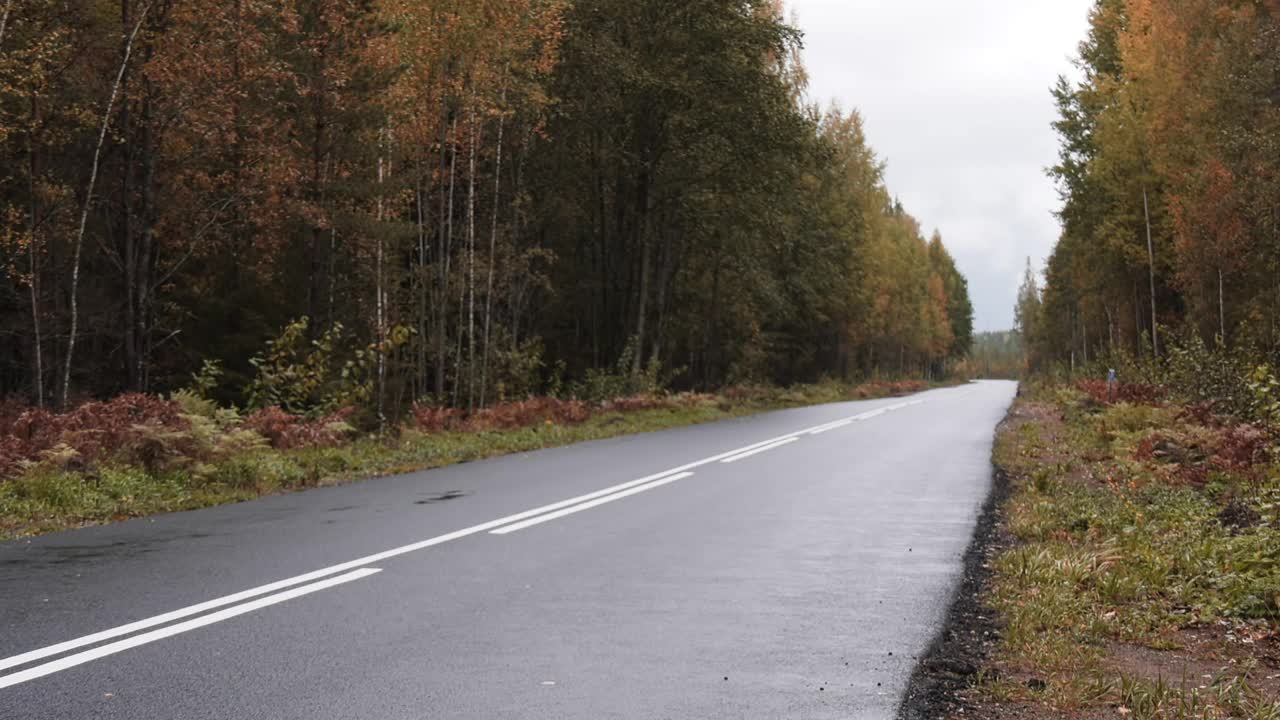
[276, 592]
[149, 637]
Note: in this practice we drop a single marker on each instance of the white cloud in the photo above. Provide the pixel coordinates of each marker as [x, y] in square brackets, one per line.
[956, 100]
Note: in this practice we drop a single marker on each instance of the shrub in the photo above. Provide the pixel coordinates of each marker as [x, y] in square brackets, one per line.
[433, 419]
[886, 388]
[1241, 447]
[640, 401]
[258, 471]
[1133, 393]
[504, 416]
[321, 377]
[602, 384]
[133, 427]
[285, 430]
[526, 413]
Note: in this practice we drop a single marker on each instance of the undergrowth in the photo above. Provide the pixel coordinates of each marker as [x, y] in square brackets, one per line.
[1133, 519]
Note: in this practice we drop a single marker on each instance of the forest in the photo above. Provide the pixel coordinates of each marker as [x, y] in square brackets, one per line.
[377, 203]
[1169, 175]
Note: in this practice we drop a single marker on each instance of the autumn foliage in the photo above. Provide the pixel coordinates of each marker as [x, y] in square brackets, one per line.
[1134, 393]
[1169, 175]
[126, 427]
[285, 431]
[450, 204]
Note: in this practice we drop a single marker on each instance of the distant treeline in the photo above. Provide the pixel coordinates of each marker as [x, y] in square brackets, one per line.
[449, 202]
[997, 355]
[1169, 173]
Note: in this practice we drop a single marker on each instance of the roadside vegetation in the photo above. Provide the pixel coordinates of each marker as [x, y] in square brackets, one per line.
[1134, 570]
[249, 247]
[1141, 573]
[1135, 567]
[137, 455]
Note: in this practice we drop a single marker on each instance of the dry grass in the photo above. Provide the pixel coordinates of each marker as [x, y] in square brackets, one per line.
[1142, 578]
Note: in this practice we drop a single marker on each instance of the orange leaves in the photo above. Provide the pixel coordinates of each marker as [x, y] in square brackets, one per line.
[284, 430]
[91, 432]
[507, 416]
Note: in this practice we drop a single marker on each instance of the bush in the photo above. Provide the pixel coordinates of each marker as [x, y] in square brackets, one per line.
[433, 419]
[258, 471]
[321, 377]
[1133, 393]
[887, 388]
[645, 401]
[534, 411]
[1239, 382]
[504, 416]
[285, 430]
[134, 428]
[601, 385]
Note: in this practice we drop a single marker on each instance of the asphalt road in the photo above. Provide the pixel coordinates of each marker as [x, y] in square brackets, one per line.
[654, 576]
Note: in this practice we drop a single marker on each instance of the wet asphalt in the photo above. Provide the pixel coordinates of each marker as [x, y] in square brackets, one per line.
[799, 582]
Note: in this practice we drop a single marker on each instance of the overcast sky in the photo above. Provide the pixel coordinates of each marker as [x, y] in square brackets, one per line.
[956, 100]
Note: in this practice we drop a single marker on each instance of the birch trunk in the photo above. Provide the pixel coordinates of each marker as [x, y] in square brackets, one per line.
[1151, 276]
[471, 264]
[88, 201]
[33, 247]
[1222, 311]
[380, 300]
[493, 246]
[4, 19]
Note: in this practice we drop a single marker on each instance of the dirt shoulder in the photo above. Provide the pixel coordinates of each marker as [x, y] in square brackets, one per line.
[1128, 565]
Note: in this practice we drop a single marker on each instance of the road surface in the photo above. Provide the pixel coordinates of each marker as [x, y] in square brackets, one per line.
[787, 565]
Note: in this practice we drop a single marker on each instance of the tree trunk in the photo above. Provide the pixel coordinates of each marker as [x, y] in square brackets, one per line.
[442, 262]
[1151, 276]
[645, 251]
[33, 249]
[493, 245]
[666, 276]
[1111, 325]
[130, 253]
[1137, 319]
[318, 285]
[522, 283]
[4, 19]
[380, 310]
[1222, 311]
[146, 247]
[78, 246]
[471, 264]
[712, 340]
[420, 277]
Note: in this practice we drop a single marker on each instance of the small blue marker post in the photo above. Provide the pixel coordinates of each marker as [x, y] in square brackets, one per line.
[1111, 385]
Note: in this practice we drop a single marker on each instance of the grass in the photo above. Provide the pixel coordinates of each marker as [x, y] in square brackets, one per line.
[52, 496]
[1116, 554]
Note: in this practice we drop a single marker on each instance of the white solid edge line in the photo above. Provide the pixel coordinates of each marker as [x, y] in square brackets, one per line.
[588, 505]
[757, 451]
[150, 637]
[832, 426]
[198, 608]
